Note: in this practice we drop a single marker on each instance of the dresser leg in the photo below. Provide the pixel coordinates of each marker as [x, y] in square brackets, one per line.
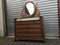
[43, 41]
[15, 40]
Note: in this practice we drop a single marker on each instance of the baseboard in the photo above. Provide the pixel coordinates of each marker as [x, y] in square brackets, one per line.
[48, 37]
[10, 36]
[52, 37]
[1, 36]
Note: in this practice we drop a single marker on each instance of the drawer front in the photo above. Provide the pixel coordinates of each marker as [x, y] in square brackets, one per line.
[29, 26]
[29, 31]
[28, 35]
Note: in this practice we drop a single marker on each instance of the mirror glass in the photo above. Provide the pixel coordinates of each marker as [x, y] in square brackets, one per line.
[30, 8]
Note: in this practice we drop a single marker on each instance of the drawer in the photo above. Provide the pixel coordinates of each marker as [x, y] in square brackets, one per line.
[21, 22]
[28, 26]
[21, 31]
[21, 26]
[34, 32]
[34, 26]
[34, 35]
[28, 35]
[29, 31]
[34, 22]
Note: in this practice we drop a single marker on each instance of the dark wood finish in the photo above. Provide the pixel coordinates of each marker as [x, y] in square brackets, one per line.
[28, 26]
[29, 38]
[32, 31]
[29, 30]
[28, 35]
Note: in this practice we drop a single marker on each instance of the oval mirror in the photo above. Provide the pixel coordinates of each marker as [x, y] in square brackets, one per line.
[30, 8]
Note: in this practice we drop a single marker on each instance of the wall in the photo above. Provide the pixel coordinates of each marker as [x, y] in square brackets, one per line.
[1, 20]
[48, 9]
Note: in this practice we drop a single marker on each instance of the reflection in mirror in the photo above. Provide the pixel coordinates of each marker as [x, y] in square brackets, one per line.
[30, 8]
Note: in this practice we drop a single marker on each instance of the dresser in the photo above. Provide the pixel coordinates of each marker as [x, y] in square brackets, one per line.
[29, 29]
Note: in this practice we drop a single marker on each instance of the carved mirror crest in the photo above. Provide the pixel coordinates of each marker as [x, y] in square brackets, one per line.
[29, 9]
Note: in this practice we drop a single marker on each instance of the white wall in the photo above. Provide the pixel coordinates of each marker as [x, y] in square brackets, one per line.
[1, 20]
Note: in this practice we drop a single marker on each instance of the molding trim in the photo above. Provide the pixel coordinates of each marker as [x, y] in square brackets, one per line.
[58, 1]
[47, 37]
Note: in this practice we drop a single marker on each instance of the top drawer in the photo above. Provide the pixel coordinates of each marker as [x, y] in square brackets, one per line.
[28, 22]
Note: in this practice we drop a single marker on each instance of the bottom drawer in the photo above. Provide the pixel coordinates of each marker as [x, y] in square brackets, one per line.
[27, 35]
[29, 38]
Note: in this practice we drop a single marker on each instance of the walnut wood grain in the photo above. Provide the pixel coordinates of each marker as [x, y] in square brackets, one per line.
[29, 30]
[28, 26]
[35, 31]
[29, 38]
[28, 35]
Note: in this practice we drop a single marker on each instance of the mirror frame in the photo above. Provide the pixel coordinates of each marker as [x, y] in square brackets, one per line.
[26, 11]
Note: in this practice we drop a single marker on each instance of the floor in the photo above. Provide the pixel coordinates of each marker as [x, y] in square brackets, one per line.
[10, 41]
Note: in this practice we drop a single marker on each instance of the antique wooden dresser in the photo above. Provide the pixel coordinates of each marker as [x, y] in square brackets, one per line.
[29, 29]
